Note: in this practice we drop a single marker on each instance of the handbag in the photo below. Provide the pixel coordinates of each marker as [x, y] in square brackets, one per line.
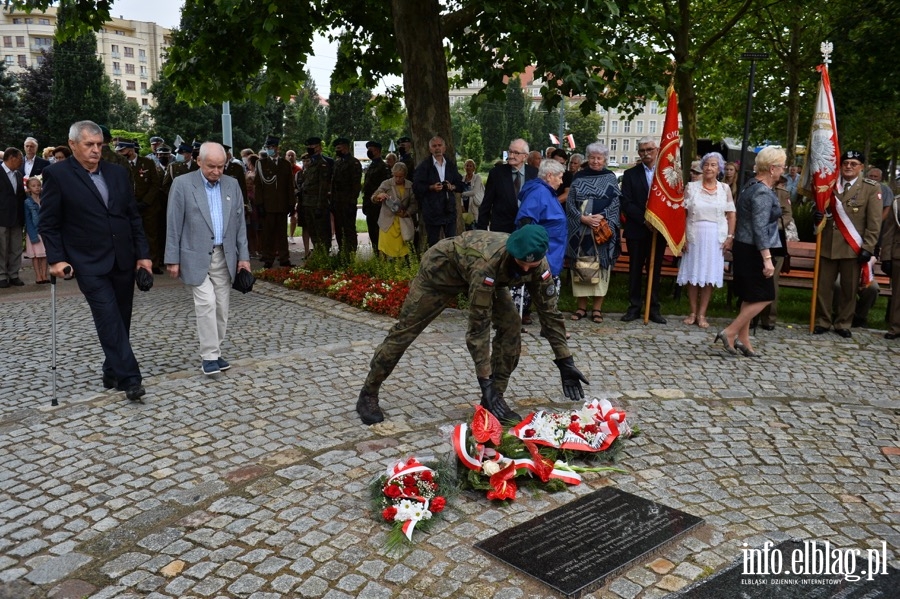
[586, 269]
[602, 232]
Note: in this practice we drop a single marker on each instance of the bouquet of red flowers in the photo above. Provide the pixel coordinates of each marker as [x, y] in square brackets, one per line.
[409, 495]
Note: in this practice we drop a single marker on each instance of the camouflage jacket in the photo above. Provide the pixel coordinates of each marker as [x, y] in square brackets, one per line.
[346, 181]
[314, 182]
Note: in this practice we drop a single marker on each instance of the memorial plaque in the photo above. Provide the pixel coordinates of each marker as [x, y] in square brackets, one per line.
[875, 578]
[576, 548]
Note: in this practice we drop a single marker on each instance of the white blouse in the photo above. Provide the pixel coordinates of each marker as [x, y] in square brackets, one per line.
[702, 205]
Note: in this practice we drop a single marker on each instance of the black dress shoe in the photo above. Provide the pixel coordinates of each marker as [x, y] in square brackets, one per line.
[4, 284]
[17, 282]
[109, 381]
[768, 327]
[820, 330]
[845, 333]
[629, 316]
[891, 335]
[367, 408]
[157, 270]
[135, 392]
[657, 318]
[858, 323]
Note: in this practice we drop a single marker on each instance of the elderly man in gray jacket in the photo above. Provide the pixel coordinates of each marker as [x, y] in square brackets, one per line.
[206, 244]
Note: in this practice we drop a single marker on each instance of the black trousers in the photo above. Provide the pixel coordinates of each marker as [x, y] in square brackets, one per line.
[638, 261]
[110, 298]
[434, 232]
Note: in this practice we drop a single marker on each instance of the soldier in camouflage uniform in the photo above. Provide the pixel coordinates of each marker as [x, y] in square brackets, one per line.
[236, 170]
[107, 153]
[346, 181]
[314, 199]
[147, 182]
[483, 265]
[376, 174]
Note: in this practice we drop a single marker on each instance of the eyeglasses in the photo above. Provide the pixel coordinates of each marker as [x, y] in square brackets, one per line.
[851, 163]
[517, 152]
[645, 150]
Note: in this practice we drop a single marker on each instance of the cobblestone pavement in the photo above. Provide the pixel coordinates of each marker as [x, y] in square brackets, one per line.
[253, 483]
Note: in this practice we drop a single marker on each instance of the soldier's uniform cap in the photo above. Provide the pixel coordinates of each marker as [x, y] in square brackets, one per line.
[184, 149]
[314, 141]
[529, 244]
[157, 140]
[404, 140]
[272, 141]
[163, 150]
[853, 155]
[196, 144]
[124, 144]
[373, 144]
[107, 136]
[340, 141]
[227, 147]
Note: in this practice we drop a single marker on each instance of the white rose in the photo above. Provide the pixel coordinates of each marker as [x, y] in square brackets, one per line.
[490, 468]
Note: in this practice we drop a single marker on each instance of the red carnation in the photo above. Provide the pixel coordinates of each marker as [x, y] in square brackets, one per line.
[592, 428]
[389, 513]
[575, 427]
[529, 432]
[409, 480]
[573, 418]
[437, 505]
[411, 491]
[426, 475]
[392, 491]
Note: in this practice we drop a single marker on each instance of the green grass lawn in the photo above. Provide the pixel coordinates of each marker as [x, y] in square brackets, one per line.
[793, 304]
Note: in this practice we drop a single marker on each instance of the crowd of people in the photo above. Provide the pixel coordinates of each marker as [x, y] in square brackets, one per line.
[155, 204]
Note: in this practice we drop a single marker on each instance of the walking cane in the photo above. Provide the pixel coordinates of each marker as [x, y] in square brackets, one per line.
[67, 270]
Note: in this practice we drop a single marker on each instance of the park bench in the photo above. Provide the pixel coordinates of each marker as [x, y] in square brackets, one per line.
[802, 253]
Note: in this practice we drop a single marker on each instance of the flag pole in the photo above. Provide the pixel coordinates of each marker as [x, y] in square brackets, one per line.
[815, 288]
[650, 277]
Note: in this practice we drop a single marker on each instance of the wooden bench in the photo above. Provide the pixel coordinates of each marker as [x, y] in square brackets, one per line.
[802, 253]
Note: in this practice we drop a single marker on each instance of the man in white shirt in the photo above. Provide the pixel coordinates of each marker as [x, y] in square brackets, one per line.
[32, 164]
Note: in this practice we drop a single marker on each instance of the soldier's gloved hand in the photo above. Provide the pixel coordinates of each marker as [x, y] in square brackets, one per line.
[817, 218]
[864, 256]
[571, 378]
[886, 267]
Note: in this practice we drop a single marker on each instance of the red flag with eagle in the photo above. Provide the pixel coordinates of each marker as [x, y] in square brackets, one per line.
[665, 206]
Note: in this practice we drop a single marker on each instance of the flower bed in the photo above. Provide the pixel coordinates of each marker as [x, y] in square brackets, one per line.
[359, 290]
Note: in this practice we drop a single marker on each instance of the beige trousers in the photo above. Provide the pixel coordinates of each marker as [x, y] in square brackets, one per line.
[211, 300]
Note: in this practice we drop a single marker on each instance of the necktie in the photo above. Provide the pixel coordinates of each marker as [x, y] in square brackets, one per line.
[517, 181]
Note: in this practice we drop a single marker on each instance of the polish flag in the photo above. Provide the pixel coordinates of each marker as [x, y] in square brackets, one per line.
[665, 206]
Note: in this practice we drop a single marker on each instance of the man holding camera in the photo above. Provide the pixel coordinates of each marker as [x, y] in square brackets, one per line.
[435, 181]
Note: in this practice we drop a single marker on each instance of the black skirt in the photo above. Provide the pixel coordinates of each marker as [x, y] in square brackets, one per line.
[749, 282]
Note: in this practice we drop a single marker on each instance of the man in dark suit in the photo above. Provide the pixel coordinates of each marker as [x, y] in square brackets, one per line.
[501, 193]
[32, 164]
[377, 173]
[638, 234]
[92, 230]
[206, 244]
[434, 183]
[12, 218]
[274, 191]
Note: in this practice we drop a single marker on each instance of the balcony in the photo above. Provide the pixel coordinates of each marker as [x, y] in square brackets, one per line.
[145, 91]
[144, 75]
[117, 71]
[115, 55]
[142, 59]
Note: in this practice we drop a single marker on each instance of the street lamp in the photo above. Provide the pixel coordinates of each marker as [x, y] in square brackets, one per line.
[752, 57]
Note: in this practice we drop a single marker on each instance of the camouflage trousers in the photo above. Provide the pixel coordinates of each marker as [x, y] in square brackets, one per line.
[424, 303]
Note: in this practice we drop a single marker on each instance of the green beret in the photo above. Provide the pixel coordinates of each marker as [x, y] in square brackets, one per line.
[528, 244]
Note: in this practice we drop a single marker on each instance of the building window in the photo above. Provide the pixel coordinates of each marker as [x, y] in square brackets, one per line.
[7, 41]
[10, 59]
[43, 21]
[23, 60]
[603, 126]
[652, 126]
[143, 87]
[142, 55]
[129, 69]
[40, 59]
[624, 159]
[626, 128]
[119, 32]
[29, 21]
[17, 21]
[130, 86]
[129, 52]
[614, 127]
[114, 47]
[43, 42]
[119, 82]
[20, 41]
[613, 144]
[611, 160]
[144, 72]
[639, 127]
[145, 102]
[654, 107]
[626, 143]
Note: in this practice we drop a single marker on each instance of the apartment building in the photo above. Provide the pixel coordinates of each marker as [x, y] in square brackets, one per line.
[131, 51]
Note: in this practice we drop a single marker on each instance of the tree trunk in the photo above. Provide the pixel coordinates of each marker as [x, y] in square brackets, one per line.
[417, 29]
[684, 86]
[793, 100]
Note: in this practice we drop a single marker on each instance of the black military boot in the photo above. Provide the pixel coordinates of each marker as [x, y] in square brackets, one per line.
[492, 401]
[367, 407]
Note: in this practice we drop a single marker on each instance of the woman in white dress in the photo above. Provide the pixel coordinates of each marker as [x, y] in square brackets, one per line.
[710, 233]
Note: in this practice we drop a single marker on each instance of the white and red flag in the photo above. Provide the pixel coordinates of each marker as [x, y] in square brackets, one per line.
[665, 206]
[571, 139]
[820, 172]
[554, 140]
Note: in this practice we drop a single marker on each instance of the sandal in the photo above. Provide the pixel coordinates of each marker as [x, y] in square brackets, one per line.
[701, 322]
[579, 314]
[692, 319]
[597, 316]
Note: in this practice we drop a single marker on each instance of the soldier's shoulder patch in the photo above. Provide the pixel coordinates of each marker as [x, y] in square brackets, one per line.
[870, 181]
[488, 281]
[551, 290]
[546, 275]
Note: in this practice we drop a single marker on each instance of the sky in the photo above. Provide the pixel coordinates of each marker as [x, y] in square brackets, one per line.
[168, 14]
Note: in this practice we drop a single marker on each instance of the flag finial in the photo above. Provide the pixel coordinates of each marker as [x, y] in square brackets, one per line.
[826, 48]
